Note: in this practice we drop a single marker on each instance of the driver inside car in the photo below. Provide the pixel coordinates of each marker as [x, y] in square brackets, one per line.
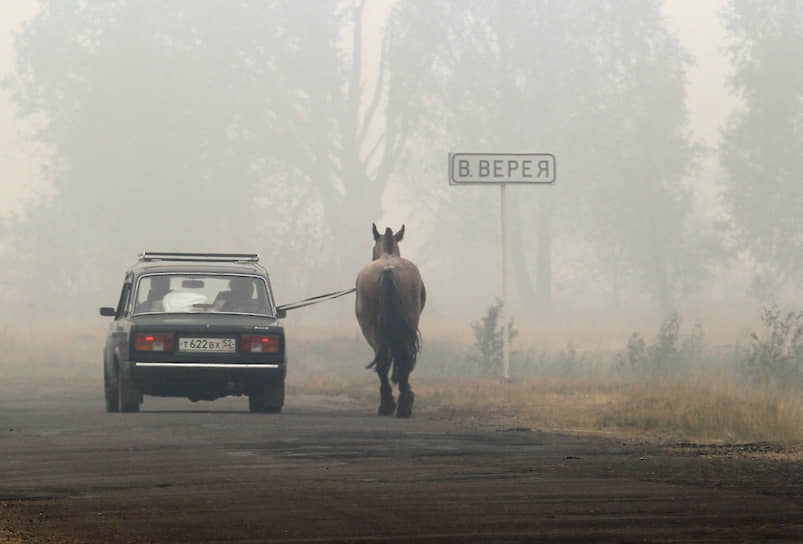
[160, 286]
[239, 297]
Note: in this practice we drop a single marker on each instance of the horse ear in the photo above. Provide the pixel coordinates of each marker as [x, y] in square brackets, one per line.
[399, 235]
[376, 232]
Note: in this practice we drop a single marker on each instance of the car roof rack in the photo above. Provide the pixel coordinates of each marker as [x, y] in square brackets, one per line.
[205, 257]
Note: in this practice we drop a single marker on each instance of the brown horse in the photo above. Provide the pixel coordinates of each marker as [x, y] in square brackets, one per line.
[390, 298]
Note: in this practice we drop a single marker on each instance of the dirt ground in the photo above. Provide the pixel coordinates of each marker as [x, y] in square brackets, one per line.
[330, 471]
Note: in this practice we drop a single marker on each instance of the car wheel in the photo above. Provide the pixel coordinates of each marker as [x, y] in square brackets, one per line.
[269, 400]
[110, 392]
[128, 393]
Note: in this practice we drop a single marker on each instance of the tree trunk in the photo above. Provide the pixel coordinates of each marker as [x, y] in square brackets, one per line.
[666, 300]
[543, 262]
[518, 258]
[617, 296]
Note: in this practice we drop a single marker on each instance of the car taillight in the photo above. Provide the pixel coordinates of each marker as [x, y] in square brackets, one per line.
[258, 343]
[153, 342]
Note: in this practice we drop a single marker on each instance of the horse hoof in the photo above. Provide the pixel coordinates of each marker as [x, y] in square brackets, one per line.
[406, 405]
[386, 409]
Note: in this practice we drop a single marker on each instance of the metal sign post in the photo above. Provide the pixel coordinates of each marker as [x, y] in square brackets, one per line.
[503, 310]
[502, 169]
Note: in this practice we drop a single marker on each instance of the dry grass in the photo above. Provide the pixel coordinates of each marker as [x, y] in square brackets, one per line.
[689, 410]
[699, 411]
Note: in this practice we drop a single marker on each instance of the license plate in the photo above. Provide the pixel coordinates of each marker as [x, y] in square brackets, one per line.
[207, 344]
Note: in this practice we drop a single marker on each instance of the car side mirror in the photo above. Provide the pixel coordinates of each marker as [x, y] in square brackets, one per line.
[281, 313]
[107, 311]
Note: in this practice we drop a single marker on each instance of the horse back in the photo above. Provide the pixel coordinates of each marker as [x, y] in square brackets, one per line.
[410, 286]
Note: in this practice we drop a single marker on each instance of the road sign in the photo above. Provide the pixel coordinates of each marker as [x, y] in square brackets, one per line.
[483, 168]
[502, 169]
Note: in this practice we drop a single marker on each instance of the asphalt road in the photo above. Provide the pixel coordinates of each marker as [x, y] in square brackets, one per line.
[326, 472]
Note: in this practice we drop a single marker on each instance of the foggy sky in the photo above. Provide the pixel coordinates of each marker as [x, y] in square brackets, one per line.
[695, 22]
[707, 100]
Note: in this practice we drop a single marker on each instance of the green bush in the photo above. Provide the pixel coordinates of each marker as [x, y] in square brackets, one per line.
[668, 355]
[776, 359]
[486, 353]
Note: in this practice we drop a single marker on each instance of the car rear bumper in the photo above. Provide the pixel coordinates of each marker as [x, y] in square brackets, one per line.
[229, 366]
[203, 380]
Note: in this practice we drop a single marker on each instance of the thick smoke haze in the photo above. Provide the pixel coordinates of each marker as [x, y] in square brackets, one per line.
[287, 128]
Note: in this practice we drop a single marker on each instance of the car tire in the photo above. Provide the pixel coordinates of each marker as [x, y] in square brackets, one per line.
[110, 392]
[269, 400]
[128, 393]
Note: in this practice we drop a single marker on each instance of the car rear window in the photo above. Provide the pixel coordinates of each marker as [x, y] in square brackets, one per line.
[201, 293]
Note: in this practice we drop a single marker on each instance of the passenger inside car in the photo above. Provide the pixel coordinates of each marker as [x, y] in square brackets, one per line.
[239, 297]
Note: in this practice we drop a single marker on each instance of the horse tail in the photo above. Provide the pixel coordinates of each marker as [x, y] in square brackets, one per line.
[398, 336]
[382, 354]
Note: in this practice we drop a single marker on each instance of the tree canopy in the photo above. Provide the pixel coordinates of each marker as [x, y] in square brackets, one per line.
[602, 86]
[261, 125]
[222, 126]
[762, 147]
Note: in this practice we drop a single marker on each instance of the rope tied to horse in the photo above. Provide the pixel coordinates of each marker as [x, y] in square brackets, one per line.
[316, 299]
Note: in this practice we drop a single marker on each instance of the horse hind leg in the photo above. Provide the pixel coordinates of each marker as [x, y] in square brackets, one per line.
[386, 403]
[406, 395]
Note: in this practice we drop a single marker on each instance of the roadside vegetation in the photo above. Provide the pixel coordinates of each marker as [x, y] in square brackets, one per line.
[668, 386]
[693, 409]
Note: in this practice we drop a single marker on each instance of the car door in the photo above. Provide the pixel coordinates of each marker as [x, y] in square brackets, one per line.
[117, 340]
